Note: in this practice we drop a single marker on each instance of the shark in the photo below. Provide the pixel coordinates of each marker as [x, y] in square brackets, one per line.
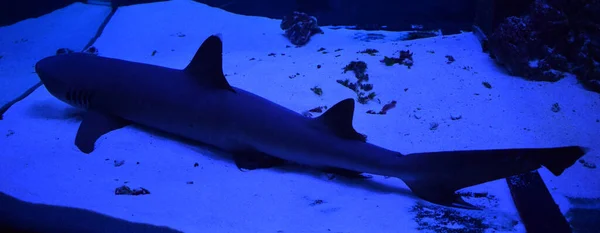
[198, 103]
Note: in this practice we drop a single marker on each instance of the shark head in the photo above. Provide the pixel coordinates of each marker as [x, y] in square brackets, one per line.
[75, 78]
[68, 77]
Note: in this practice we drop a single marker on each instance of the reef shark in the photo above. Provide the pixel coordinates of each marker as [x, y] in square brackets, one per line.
[197, 103]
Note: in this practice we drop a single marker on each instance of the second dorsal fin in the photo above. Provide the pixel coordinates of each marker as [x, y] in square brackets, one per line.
[339, 120]
[207, 64]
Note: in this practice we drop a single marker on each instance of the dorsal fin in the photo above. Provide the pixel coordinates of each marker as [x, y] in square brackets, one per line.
[207, 64]
[339, 119]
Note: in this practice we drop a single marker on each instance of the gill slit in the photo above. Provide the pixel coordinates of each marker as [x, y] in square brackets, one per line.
[79, 97]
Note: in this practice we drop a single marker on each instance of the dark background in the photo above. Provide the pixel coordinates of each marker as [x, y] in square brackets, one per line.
[449, 15]
[13, 11]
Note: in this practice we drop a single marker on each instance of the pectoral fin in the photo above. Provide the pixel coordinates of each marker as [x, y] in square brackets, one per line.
[251, 160]
[349, 174]
[93, 126]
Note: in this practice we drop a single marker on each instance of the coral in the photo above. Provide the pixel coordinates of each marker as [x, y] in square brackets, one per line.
[371, 52]
[299, 27]
[405, 58]
[556, 36]
[510, 44]
[363, 90]
[384, 109]
[420, 35]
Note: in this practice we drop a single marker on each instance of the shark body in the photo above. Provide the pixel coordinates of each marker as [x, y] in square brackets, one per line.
[198, 103]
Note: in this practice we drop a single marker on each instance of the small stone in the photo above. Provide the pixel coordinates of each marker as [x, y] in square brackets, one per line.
[455, 116]
[119, 163]
[587, 164]
[317, 90]
[307, 114]
[317, 202]
[487, 85]
[450, 59]
[555, 107]
[92, 50]
[123, 190]
[140, 191]
[62, 51]
[433, 125]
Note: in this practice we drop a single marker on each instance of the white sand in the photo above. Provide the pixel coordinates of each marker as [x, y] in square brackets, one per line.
[40, 163]
[24, 43]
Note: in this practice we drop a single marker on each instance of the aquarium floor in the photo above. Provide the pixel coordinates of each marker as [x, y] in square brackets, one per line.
[195, 189]
[24, 43]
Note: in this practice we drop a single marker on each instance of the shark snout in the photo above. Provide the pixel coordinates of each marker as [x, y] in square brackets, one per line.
[43, 69]
[38, 69]
[49, 71]
[53, 70]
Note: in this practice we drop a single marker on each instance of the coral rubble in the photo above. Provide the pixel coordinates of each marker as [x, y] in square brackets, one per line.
[556, 36]
[299, 27]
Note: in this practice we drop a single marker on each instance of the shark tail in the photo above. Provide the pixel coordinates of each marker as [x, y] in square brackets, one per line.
[441, 174]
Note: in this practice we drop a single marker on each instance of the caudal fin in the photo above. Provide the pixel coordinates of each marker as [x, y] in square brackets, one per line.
[441, 174]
